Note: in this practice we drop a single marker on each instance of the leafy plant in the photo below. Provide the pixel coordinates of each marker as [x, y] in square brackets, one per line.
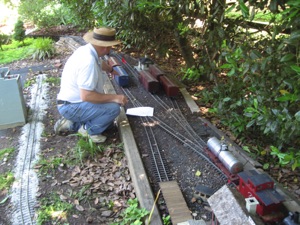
[167, 220]
[192, 74]
[6, 152]
[52, 208]
[15, 50]
[291, 157]
[53, 80]
[85, 148]
[19, 31]
[48, 164]
[133, 215]
[45, 13]
[42, 48]
[6, 180]
[4, 40]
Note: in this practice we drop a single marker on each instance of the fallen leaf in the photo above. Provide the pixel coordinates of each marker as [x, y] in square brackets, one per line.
[79, 208]
[198, 173]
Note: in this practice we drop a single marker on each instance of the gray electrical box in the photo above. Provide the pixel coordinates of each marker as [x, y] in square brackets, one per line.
[4, 71]
[12, 104]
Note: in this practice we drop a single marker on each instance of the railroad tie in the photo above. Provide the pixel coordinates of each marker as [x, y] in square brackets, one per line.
[176, 204]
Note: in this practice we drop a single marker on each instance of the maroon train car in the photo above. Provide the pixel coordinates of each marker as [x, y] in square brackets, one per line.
[148, 81]
[170, 88]
[261, 186]
[156, 72]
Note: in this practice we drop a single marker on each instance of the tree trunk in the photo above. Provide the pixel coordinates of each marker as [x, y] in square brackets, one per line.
[185, 49]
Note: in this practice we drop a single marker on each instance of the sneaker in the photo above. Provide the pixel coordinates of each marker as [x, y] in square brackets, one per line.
[83, 131]
[63, 126]
[98, 138]
[95, 138]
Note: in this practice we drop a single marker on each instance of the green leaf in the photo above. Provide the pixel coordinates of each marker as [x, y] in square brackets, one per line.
[250, 123]
[244, 8]
[287, 58]
[255, 103]
[297, 116]
[266, 166]
[296, 68]
[246, 148]
[226, 99]
[226, 66]
[4, 200]
[287, 97]
[255, 54]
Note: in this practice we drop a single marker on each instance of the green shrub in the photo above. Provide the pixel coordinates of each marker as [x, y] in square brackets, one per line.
[19, 31]
[44, 13]
[4, 40]
[42, 48]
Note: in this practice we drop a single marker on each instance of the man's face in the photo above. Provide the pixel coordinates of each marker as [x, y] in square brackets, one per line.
[108, 50]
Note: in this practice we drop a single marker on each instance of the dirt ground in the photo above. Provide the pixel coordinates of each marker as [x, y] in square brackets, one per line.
[97, 187]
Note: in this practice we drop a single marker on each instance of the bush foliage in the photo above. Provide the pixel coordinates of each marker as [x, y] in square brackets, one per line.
[255, 73]
[42, 48]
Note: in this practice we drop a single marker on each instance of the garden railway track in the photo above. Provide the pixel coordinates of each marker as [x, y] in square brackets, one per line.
[24, 189]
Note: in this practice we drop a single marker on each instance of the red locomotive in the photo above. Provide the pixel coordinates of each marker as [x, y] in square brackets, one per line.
[249, 183]
[261, 186]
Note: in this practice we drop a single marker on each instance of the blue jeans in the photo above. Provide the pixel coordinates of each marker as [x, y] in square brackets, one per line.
[96, 117]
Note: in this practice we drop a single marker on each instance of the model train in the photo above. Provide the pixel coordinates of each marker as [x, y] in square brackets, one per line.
[153, 78]
[150, 76]
[250, 184]
[122, 79]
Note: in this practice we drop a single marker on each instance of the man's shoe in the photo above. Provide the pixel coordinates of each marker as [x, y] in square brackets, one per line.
[63, 126]
[95, 138]
[98, 138]
[83, 132]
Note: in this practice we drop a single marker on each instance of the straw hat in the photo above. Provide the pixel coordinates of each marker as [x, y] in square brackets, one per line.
[103, 36]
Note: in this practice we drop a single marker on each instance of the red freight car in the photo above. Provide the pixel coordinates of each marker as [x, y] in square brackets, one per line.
[148, 81]
[170, 88]
[156, 72]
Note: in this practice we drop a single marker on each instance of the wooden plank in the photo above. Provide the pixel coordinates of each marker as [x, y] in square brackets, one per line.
[176, 204]
[137, 171]
[189, 101]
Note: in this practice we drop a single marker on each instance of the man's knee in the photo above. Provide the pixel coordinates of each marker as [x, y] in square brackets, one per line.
[116, 109]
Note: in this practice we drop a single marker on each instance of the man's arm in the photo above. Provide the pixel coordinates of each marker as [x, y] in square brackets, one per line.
[95, 97]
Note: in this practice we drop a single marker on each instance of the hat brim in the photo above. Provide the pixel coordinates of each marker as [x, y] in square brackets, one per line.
[88, 37]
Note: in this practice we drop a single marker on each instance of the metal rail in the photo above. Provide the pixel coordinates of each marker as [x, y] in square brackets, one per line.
[161, 171]
[187, 136]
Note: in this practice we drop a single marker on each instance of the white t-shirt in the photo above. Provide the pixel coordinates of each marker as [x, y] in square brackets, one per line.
[82, 71]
